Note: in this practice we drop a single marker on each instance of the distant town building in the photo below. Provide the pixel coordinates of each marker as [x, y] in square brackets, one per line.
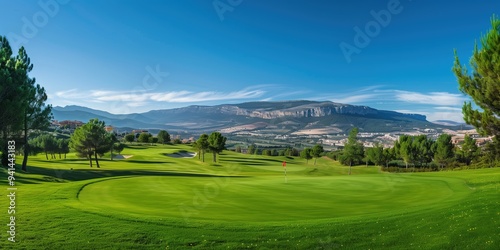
[109, 129]
[70, 124]
[458, 137]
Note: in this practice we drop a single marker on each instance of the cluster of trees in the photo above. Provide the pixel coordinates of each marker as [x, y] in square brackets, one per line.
[314, 152]
[255, 150]
[417, 152]
[92, 140]
[163, 137]
[420, 150]
[50, 145]
[214, 143]
[22, 101]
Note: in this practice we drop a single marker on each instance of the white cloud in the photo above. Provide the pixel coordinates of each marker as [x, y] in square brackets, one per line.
[450, 116]
[136, 104]
[141, 98]
[432, 98]
[434, 116]
[69, 94]
[449, 108]
[363, 98]
[186, 97]
[406, 111]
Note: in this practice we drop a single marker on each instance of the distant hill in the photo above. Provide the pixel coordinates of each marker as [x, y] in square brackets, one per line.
[280, 117]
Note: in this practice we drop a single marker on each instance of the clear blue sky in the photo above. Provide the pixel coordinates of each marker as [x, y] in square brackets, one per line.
[104, 54]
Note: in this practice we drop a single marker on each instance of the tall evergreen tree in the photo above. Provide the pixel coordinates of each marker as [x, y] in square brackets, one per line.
[375, 155]
[91, 139]
[129, 138]
[251, 149]
[483, 83]
[491, 151]
[23, 102]
[202, 145]
[36, 114]
[216, 144]
[389, 155]
[469, 150]
[406, 149]
[63, 147]
[306, 153]
[353, 150]
[163, 137]
[444, 150]
[118, 147]
[144, 137]
[48, 143]
[316, 152]
[11, 97]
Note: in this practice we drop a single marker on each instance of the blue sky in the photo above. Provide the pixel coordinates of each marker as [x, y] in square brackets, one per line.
[134, 56]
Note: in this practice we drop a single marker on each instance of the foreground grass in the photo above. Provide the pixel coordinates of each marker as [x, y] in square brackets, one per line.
[152, 201]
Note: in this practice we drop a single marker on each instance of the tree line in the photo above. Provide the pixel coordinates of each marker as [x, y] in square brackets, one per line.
[163, 137]
[50, 145]
[255, 150]
[418, 152]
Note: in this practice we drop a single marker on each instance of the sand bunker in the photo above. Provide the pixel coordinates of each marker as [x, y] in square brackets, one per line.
[182, 155]
[122, 156]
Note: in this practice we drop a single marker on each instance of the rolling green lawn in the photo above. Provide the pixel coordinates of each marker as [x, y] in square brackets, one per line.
[154, 201]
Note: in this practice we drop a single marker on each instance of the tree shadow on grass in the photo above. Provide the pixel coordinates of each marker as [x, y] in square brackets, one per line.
[59, 160]
[252, 163]
[146, 162]
[86, 161]
[256, 162]
[61, 175]
[139, 147]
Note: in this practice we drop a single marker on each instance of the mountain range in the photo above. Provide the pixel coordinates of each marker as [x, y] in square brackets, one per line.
[284, 117]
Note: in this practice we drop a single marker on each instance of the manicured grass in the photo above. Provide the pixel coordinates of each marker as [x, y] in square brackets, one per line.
[265, 199]
[153, 201]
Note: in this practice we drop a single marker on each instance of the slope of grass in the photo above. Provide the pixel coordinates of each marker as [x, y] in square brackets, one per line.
[152, 201]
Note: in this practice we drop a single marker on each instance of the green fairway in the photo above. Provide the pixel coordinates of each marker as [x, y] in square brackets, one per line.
[267, 199]
[155, 201]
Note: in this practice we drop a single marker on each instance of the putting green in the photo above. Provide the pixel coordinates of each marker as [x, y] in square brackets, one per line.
[266, 199]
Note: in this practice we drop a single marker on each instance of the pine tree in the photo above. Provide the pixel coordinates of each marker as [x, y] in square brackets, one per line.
[163, 137]
[12, 97]
[216, 144]
[202, 145]
[444, 150]
[91, 139]
[22, 103]
[306, 153]
[375, 155]
[353, 150]
[36, 114]
[316, 152]
[469, 150]
[483, 83]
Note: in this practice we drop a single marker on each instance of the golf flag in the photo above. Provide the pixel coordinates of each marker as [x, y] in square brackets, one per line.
[284, 167]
